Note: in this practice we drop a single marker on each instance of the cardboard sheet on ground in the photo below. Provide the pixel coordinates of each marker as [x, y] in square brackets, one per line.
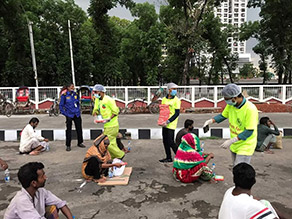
[118, 180]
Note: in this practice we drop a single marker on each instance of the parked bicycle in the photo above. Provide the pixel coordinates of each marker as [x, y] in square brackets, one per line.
[6, 107]
[54, 109]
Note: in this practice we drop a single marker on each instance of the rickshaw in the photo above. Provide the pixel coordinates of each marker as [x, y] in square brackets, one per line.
[86, 101]
[22, 102]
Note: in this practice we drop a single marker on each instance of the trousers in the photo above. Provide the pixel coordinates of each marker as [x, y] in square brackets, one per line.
[168, 141]
[78, 126]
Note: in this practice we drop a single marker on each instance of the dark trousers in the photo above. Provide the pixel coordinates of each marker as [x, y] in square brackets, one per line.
[93, 168]
[78, 126]
[168, 141]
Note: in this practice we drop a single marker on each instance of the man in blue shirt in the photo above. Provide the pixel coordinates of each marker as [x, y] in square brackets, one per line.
[69, 107]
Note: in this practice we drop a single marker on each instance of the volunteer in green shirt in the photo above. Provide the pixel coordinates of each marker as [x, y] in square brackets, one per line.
[170, 125]
[107, 108]
[243, 119]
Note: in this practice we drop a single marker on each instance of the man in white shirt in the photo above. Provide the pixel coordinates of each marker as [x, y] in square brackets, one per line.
[33, 201]
[30, 142]
[238, 203]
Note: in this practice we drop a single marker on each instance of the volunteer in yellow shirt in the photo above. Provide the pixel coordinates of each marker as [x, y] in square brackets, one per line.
[107, 108]
[170, 125]
[243, 120]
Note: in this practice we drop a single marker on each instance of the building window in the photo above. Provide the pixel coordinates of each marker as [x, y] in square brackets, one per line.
[242, 14]
[242, 20]
[229, 40]
[243, 5]
[236, 5]
[235, 20]
[219, 10]
[225, 15]
[236, 15]
[243, 10]
[236, 10]
[225, 20]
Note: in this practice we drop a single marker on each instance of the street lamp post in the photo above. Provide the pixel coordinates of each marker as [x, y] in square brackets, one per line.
[71, 53]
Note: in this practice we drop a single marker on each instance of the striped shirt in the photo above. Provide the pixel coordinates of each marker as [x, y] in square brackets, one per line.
[244, 206]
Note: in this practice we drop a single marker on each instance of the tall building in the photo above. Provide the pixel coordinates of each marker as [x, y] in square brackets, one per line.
[235, 12]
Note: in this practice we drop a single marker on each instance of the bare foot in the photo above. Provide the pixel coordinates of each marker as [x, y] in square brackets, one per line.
[34, 153]
[100, 180]
[269, 152]
[125, 150]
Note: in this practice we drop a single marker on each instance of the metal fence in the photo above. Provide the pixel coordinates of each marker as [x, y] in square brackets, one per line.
[191, 94]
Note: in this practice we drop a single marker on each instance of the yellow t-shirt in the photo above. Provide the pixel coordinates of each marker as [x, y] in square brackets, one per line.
[239, 120]
[173, 104]
[107, 107]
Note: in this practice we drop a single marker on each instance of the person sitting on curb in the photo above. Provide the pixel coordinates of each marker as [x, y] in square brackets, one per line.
[97, 160]
[188, 127]
[30, 142]
[238, 201]
[266, 135]
[33, 201]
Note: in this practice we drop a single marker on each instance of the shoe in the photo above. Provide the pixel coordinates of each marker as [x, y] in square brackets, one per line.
[68, 148]
[81, 145]
[166, 160]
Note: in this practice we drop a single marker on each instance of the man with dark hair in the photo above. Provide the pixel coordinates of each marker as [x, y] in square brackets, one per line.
[243, 120]
[30, 142]
[33, 201]
[188, 127]
[238, 201]
[69, 107]
[266, 135]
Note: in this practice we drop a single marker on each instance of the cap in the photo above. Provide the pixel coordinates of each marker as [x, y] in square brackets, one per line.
[99, 87]
[171, 85]
[231, 90]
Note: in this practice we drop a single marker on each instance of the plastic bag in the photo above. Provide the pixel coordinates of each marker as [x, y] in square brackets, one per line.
[279, 144]
[163, 114]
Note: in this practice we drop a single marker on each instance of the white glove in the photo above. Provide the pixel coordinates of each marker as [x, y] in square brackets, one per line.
[106, 121]
[208, 122]
[229, 142]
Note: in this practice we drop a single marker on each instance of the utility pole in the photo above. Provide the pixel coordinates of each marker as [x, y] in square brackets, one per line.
[34, 65]
[71, 53]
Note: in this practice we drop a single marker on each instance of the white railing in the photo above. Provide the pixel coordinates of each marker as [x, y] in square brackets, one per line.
[191, 94]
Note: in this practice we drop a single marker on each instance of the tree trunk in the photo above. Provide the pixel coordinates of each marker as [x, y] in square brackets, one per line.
[186, 69]
[228, 69]
[211, 69]
[222, 74]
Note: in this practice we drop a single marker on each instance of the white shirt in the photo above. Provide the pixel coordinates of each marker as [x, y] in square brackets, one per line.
[243, 206]
[28, 136]
[22, 206]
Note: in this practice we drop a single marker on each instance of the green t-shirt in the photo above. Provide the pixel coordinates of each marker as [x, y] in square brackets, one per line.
[173, 104]
[107, 107]
[239, 120]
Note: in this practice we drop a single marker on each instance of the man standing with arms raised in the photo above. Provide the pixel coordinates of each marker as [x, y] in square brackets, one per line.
[243, 120]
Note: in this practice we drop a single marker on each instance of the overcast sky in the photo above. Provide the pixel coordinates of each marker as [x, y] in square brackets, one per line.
[252, 14]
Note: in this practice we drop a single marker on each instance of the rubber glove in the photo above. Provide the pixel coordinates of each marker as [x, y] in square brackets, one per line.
[229, 142]
[208, 122]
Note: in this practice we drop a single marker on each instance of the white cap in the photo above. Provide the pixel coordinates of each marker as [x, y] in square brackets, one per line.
[171, 85]
[99, 87]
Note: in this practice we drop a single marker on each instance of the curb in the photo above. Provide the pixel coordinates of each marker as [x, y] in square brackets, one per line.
[145, 133]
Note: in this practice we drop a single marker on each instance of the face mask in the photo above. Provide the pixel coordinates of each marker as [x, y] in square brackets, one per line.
[97, 96]
[229, 102]
[173, 93]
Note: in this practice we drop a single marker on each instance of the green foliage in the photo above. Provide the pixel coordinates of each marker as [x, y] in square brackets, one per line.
[247, 71]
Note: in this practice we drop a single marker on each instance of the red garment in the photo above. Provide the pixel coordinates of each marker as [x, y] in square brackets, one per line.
[190, 175]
